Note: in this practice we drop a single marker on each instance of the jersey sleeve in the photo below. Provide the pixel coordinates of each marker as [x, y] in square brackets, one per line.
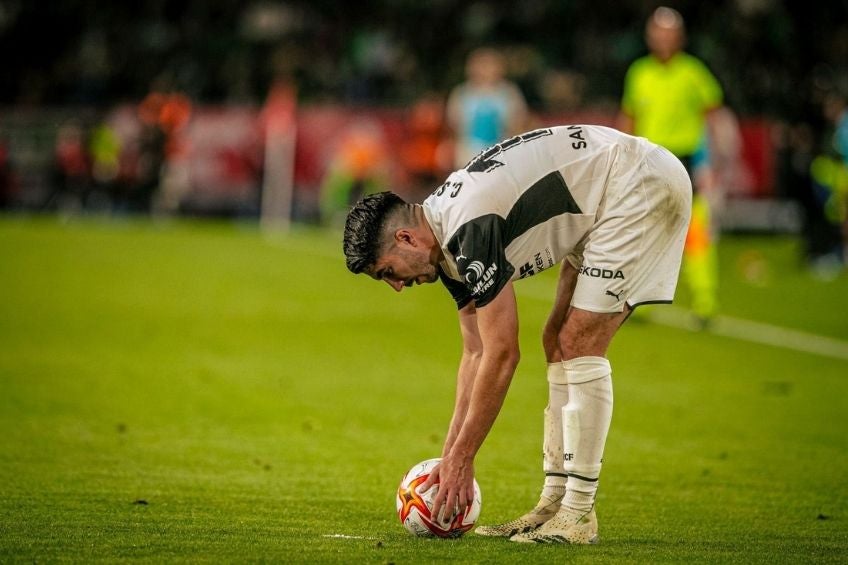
[707, 85]
[457, 290]
[478, 246]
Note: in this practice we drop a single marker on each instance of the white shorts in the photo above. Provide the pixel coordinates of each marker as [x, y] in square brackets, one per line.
[632, 254]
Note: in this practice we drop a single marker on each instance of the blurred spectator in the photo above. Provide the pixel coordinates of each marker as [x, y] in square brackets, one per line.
[562, 90]
[150, 160]
[486, 108]
[71, 169]
[131, 192]
[425, 154]
[166, 113]
[837, 112]
[829, 172]
[104, 148]
[667, 97]
[795, 145]
[358, 166]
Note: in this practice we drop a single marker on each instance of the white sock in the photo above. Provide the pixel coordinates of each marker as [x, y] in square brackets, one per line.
[555, 476]
[586, 419]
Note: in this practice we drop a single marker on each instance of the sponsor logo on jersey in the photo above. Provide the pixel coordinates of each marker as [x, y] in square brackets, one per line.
[617, 296]
[597, 273]
[538, 264]
[474, 272]
[460, 257]
[484, 280]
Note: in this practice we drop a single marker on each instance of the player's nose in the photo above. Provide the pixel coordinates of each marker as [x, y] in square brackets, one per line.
[397, 285]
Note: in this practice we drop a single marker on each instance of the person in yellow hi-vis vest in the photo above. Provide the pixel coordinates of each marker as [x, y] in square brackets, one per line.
[667, 97]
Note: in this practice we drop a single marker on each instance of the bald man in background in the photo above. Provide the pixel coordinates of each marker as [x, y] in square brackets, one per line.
[669, 96]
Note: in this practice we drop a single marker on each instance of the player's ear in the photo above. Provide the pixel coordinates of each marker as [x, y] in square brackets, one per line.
[405, 236]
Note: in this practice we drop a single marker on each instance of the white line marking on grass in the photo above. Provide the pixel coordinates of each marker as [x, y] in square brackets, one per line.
[737, 328]
[755, 332]
[344, 536]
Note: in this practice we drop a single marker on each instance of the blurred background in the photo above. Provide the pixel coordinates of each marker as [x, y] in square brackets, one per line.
[287, 110]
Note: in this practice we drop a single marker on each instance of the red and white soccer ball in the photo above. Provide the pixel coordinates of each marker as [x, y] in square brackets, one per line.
[414, 507]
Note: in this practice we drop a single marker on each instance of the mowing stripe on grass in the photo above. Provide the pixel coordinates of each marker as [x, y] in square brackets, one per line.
[737, 328]
[755, 332]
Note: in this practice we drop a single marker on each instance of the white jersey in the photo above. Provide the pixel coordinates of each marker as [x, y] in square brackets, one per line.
[523, 205]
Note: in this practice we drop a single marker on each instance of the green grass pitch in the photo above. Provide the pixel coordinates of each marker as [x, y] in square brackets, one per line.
[198, 392]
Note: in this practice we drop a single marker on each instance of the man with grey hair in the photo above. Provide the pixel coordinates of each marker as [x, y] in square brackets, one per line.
[669, 98]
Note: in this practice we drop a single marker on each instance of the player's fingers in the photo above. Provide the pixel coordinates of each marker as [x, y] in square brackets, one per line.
[466, 497]
[449, 506]
[462, 500]
[438, 504]
[431, 480]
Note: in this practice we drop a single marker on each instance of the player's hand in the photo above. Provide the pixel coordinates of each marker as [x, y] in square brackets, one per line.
[455, 477]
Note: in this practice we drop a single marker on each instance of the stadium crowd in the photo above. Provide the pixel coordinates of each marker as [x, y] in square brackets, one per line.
[88, 75]
[767, 53]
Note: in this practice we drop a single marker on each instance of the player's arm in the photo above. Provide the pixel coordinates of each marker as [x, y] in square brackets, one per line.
[625, 120]
[472, 351]
[497, 324]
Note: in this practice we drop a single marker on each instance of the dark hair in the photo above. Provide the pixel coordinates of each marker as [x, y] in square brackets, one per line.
[364, 227]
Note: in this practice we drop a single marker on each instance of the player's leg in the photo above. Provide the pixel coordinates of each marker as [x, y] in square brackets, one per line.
[586, 420]
[581, 339]
[631, 257]
[552, 459]
[700, 262]
[555, 477]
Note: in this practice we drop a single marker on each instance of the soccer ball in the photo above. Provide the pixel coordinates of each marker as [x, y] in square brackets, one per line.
[413, 507]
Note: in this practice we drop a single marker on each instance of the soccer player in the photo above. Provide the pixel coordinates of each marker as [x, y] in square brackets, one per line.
[613, 210]
[668, 95]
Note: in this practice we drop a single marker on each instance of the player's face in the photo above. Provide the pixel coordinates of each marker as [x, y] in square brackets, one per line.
[401, 267]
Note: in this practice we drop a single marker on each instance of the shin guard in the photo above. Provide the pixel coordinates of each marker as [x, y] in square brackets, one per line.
[585, 421]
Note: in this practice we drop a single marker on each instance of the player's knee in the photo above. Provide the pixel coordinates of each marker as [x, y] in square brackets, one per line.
[588, 333]
[581, 342]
